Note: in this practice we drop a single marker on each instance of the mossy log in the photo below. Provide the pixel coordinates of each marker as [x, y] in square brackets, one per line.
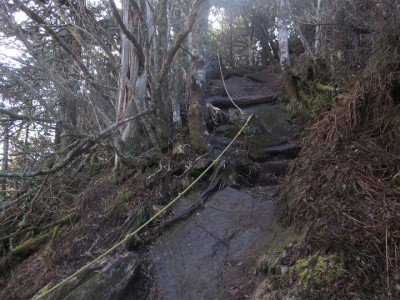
[28, 245]
[68, 219]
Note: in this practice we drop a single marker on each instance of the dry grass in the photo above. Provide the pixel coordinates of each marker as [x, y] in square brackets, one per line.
[346, 175]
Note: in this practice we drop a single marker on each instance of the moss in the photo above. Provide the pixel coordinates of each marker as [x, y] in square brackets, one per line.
[24, 248]
[317, 269]
[95, 168]
[49, 246]
[121, 175]
[114, 177]
[196, 138]
[263, 291]
[395, 180]
[123, 195]
[269, 264]
[320, 103]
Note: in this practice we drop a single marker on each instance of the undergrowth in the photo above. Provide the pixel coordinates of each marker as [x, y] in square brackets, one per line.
[348, 180]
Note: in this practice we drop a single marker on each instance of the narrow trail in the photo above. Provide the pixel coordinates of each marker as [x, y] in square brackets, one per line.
[212, 254]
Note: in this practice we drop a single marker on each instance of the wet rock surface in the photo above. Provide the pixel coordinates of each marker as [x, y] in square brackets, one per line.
[211, 255]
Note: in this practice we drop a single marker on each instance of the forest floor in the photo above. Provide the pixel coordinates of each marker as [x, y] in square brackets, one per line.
[210, 253]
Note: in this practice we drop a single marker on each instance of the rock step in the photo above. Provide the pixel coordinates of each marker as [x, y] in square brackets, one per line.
[288, 151]
[279, 151]
[226, 102]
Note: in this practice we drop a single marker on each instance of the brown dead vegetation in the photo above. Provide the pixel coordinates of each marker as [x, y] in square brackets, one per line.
[347, 177]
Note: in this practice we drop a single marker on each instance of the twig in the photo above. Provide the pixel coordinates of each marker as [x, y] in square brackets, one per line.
[389, 294]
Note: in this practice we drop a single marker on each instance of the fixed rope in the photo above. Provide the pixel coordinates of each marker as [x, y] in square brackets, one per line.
[130, 235]
[226, 89]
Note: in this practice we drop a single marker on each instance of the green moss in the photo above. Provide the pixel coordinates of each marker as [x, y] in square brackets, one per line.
[396, 123]
[317, 269]
[395, 180]
[269, 262]
[121, 175]
[263, 291]
[24, 248]
[49, 246]
[114, 177]
[123, 195]
[95, 168]
[278, 276]
[321, 102]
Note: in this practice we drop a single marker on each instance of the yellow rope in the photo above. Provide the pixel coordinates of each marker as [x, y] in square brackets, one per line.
[130, 235]
[226, 89]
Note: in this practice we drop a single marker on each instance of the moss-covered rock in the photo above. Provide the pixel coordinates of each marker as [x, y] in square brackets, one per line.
[317, 269]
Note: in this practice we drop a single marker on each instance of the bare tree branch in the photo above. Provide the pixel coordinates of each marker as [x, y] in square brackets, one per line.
[138, 11]
[105, 132]
[178, 41]
[55, 36]
[129, 35]
[82, 147]
[50, 72]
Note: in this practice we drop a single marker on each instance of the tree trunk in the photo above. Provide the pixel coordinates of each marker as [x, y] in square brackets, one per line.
[132, 88]
[283, 36]
[69, 106]
[250, 33]
[5, 155]
[317, 43]
[196, 115]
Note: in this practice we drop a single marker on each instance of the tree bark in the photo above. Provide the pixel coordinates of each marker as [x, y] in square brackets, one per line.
[283, 36]
[317, 43]
[198, 47]
[5, 156]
